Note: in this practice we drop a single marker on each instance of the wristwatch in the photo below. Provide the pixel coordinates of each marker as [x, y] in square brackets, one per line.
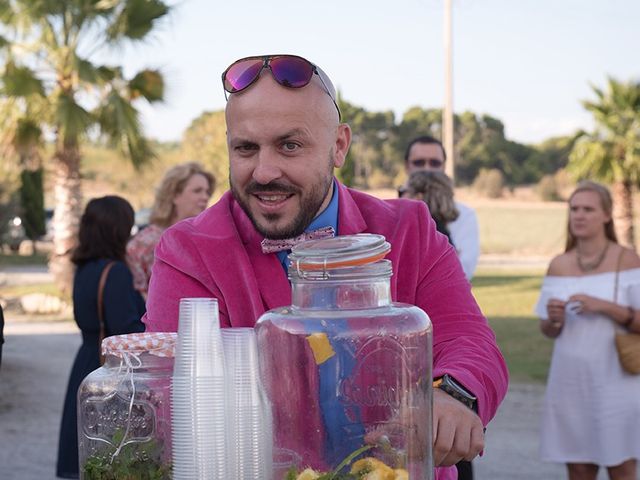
[449, 385]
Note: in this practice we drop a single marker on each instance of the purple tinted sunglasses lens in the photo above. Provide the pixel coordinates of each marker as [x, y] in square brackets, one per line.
[242, 74]
[293, 72]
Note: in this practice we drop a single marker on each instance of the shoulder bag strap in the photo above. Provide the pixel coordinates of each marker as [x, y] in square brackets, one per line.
[103, 330]
[615, 284]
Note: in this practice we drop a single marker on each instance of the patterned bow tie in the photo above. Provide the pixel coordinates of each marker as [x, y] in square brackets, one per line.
[272, 246]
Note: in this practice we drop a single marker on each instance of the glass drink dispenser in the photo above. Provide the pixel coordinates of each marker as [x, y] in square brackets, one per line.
[347, 371]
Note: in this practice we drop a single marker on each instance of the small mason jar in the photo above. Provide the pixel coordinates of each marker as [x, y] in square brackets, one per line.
[124, 411]
[348, 372]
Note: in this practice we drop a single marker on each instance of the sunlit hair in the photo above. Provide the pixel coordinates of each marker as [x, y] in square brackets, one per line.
[105, 228]
[436, 190]
[172, 185]
[605, 202]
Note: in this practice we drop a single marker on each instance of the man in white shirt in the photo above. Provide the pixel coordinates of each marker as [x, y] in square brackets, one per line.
[427, 153]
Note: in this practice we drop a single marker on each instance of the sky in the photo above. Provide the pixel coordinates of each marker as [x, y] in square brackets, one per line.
[527, 62]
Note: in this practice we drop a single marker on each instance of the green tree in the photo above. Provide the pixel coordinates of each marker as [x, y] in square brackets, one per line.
[347, 174]
[21, 141]
[415, 122]
[32, 203]
[481, 144]
[50, 49]
[372, 134]
[611, 152]
[205, 141]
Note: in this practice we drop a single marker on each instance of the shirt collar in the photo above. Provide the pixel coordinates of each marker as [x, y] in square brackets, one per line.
[329, 216]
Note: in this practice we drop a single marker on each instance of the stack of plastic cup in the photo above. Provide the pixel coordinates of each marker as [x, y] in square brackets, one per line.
[198, 398]
[250, 430]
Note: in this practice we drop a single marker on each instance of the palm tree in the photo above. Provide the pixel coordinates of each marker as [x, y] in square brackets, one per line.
[612, 151]
[49, 48]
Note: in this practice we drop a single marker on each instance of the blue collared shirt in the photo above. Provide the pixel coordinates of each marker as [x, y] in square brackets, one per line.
[337, 423]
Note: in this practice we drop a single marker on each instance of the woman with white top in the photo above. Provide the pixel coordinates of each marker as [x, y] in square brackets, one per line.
[591, 412]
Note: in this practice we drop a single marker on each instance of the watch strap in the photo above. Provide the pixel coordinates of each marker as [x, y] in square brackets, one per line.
[449, 385]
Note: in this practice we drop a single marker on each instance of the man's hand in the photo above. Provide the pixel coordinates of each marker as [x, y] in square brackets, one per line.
[457, 430]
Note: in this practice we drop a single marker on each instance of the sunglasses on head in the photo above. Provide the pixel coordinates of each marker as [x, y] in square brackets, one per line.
[290, 71]
[432, 162]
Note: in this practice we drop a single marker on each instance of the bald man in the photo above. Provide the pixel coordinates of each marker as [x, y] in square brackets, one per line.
[285, 139]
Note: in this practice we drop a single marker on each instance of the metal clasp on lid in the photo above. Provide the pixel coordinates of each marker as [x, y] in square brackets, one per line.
[316, 259]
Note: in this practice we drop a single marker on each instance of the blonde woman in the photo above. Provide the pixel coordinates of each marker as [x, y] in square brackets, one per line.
[591, 409]
[436, 190]
[184, 192]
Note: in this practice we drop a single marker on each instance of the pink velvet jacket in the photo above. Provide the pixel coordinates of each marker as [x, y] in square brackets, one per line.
[218, 254]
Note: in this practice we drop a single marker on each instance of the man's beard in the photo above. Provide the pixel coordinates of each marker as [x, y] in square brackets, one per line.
[310, 204]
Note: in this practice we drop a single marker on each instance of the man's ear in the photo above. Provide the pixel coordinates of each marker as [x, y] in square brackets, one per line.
[343, 141]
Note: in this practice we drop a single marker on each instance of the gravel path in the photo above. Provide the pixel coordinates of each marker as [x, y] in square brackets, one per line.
[36, 361]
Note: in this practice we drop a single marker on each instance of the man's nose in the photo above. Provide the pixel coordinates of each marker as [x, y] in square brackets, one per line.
[267, 167]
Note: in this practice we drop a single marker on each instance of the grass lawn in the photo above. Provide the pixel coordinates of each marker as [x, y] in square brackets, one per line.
[20, 290]
[525, 229]
[40, 259]
[507, 298]
[16, 260]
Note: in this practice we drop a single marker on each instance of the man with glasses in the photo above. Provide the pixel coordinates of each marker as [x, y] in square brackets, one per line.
[427, 153]
[285, 139]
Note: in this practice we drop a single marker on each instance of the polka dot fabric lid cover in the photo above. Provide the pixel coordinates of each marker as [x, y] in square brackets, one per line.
[160, 344]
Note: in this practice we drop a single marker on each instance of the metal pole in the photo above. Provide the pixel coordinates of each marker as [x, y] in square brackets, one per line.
[447, 120]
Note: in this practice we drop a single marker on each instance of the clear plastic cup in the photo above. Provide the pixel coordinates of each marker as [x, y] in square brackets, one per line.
[199, 428]
[198, 394]
[199, 350]
[249, 420]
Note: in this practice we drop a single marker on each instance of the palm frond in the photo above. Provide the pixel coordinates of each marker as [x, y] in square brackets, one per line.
[42, 8]
[94, 8]
[136, 19]
[120, 122]
[28, 133]
[107, 74]
[7, 12]
[71, 120]
[95, 74]
[148, 84]
[21, 81]
[86, 70]
[106, 5]
[589, 159]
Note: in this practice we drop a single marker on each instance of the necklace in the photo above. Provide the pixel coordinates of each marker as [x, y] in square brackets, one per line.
[589, 266]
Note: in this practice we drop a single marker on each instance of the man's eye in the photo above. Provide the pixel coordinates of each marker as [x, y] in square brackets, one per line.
[246, 147]
[290, 146]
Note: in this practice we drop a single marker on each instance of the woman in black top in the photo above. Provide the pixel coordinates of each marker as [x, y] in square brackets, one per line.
[105, 228]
